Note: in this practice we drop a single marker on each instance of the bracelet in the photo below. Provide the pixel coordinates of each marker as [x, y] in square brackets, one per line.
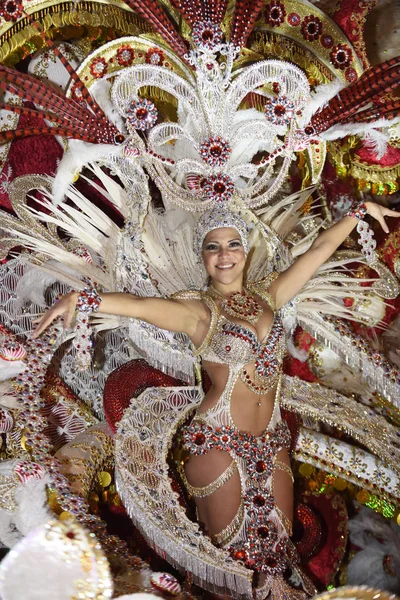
[366, 239]
[88, 302]
[357, 212]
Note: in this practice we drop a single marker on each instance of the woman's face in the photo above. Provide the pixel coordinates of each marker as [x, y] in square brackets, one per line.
[223, 255]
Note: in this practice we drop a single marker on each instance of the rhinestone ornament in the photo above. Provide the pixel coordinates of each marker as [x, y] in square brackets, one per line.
[219, 188]
[215, 151]
[341, 56]
[216, 219]
[206, 34]
[279, 111]
[275, 13]
[311, 28]
[142, 114]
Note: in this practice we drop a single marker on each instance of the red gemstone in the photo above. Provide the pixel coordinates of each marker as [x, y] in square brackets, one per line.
[215, 150]
[219, 187]
[228, 348]
[263, 532]
[259, 501]
[279, 110]
[207, 35]
[141, 113]
[260, 466]
[199, 439]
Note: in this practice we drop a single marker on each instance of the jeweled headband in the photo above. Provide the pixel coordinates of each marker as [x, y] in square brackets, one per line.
[215, 219]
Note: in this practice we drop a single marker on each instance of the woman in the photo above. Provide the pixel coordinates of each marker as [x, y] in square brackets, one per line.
[239, 468]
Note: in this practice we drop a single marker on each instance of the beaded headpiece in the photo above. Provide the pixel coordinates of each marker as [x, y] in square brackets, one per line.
[215, 219]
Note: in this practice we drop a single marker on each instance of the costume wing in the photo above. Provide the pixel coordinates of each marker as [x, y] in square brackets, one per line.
[142, 446]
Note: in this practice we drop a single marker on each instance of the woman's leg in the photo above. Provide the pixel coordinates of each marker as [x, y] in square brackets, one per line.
[218, 504]
[283, 484]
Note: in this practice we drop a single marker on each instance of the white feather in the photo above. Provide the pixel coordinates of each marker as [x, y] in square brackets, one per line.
[75, 158]
[10, 369]
[340, 131]
[376, 141]
[101, 92]
[319, 99]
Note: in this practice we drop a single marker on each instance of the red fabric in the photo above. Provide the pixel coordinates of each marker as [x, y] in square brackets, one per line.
[391, 158]
[323, 525]
[34, 154]
[350, 16]
[128, 381]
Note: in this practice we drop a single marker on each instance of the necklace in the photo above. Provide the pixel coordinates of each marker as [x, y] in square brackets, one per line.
[239, 305]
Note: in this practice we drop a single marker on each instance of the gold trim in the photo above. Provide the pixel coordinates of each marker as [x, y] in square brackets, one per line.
[207, 490]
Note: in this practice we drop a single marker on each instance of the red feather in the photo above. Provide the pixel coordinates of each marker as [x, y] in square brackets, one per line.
[346, 107]
[155, 15]
[71, 118]
[243, 20]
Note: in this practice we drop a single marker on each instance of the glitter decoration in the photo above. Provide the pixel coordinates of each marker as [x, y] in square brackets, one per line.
[125, 55]
[206, 34]
[6, 420]
[26, 471]
[215, 219]
[311, 28]
[98, 67]
[155, 56]
[279, 111]
[142, 114]
[165, 582]
[11, 10]
[294, 19]
[215, 151]
[341, 56]
[275, 13]
[219, 188]
[326, 41]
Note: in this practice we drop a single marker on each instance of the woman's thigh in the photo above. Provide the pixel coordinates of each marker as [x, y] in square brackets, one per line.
[283, 485]
[218, 509]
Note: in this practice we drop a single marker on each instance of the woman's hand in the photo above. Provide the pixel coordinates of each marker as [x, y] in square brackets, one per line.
[65, 307]
[379, 213]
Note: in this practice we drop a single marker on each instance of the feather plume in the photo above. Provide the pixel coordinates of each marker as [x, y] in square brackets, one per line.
[71, 119]
[243, 20]
[8, 396]
[376, 141]
[78, 155]
[153, 13]
[8, 370]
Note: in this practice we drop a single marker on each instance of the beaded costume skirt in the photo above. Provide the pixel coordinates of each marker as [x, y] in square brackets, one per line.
[258, 535]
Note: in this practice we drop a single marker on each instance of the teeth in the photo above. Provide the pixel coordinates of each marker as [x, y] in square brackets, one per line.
[224, 266]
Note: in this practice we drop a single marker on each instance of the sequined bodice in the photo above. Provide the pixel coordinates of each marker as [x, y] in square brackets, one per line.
[237, 346]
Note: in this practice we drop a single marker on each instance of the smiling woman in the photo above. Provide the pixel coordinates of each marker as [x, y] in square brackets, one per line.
[238, 469]
[224, 257]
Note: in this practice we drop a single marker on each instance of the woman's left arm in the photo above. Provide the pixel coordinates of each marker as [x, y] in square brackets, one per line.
[290, 282]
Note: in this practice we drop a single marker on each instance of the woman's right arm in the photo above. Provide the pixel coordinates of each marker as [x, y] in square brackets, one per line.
[167, 314]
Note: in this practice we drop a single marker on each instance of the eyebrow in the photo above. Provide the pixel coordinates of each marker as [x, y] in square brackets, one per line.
[237, 239]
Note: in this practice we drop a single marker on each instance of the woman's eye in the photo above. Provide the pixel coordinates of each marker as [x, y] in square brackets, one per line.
[211, 247]
[235, 245]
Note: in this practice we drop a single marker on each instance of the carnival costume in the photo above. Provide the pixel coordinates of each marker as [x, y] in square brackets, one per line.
[231, 120]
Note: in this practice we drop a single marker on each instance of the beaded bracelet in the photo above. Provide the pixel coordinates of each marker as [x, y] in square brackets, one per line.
[366, 239]
[88, 302]
[358, 212]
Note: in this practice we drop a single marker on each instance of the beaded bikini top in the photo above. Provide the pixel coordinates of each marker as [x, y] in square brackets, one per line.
[235, 345]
